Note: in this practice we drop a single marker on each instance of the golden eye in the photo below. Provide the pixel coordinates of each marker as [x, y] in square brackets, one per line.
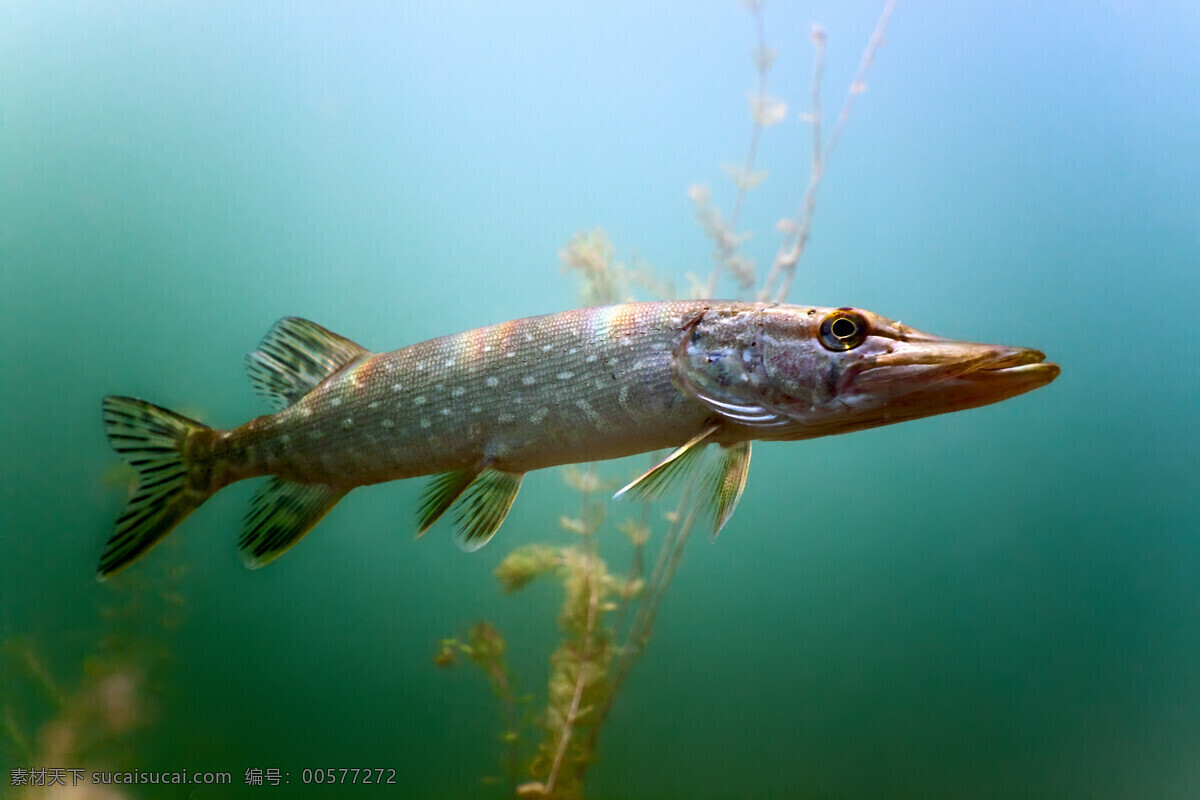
[843, 330]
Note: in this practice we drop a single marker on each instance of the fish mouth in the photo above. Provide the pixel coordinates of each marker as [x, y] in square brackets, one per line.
[920, 375]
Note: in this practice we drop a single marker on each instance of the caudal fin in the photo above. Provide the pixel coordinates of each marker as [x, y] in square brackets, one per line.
[153, 441]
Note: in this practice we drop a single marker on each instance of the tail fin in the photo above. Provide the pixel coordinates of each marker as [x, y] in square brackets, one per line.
[153, 441]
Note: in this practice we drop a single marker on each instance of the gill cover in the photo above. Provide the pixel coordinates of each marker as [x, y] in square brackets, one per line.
[719, 362]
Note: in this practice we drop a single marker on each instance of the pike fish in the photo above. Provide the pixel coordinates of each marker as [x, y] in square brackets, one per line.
[477, 410]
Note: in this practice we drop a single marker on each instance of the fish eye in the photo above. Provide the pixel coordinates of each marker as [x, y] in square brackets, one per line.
[843, 330]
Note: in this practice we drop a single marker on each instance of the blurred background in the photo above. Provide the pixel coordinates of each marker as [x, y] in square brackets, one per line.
[991, 604]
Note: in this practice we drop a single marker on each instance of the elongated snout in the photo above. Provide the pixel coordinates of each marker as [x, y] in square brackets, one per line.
[922, 374]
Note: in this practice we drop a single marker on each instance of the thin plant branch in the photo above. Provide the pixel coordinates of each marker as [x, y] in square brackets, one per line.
[783, 269]
[726, 239]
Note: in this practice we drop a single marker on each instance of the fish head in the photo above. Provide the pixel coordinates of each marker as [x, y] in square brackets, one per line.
[796, 372]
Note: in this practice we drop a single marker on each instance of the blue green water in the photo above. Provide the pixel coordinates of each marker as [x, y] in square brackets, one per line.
[998, 603]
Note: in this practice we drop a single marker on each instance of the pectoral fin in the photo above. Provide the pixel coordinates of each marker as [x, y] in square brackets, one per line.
[480, 500]
[726, 478]
[719, 487]
[653, 483]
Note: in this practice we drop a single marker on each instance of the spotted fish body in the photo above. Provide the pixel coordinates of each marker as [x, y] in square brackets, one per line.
[582, 385]
[481, 408]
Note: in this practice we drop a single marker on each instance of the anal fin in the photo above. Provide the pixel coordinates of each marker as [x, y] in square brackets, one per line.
[280, 513]
[479, 498]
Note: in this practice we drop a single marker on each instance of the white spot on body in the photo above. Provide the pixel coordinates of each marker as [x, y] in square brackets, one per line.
[505, 418]
[529, 380]
[419, 400]
[425, 423]
[373, 404]
[475, 409]
[445, 412]
[387, 423]
[492, 381]
[591, 359]
[573, 351]
[347, 423]
[565, 376]
[449, 362]
[458, 391]
[487, 348]
[509, 354]
[546, 348]
[306, 412]
[589, 412]
[397, 387]
[335, 401]
[538, 416]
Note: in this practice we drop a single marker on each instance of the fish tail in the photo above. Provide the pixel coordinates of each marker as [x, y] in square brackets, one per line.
[169, 452]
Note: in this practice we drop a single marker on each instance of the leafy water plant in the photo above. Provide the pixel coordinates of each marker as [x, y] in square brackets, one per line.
[91, 717]
[606, 619]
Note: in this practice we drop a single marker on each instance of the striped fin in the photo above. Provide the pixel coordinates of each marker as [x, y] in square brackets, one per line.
[480, 510]
[280, 513]
[725, 480]
[440, 493]
[480, 500]
[294, 357]
[153, 441]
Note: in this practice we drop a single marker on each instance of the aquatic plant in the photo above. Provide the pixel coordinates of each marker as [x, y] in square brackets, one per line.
[91, 718]
[606, 620]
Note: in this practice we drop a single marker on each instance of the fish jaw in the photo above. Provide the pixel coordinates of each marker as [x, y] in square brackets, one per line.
[922, 375]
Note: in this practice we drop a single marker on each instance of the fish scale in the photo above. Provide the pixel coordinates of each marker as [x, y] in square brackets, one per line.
[520, 394]
[480, 409]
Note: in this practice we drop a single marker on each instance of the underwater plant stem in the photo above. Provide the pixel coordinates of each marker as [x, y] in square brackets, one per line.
[502, 688]
[660, 590]
[41, 676]
[728, 243]
[15, 735]
[637, 568]
[584, 654]
[664, 569]
[783, 270]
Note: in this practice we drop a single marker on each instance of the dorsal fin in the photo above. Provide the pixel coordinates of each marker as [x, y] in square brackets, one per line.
[294, 357]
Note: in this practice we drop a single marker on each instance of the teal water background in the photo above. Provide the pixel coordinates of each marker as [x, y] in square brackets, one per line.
[999, 603]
